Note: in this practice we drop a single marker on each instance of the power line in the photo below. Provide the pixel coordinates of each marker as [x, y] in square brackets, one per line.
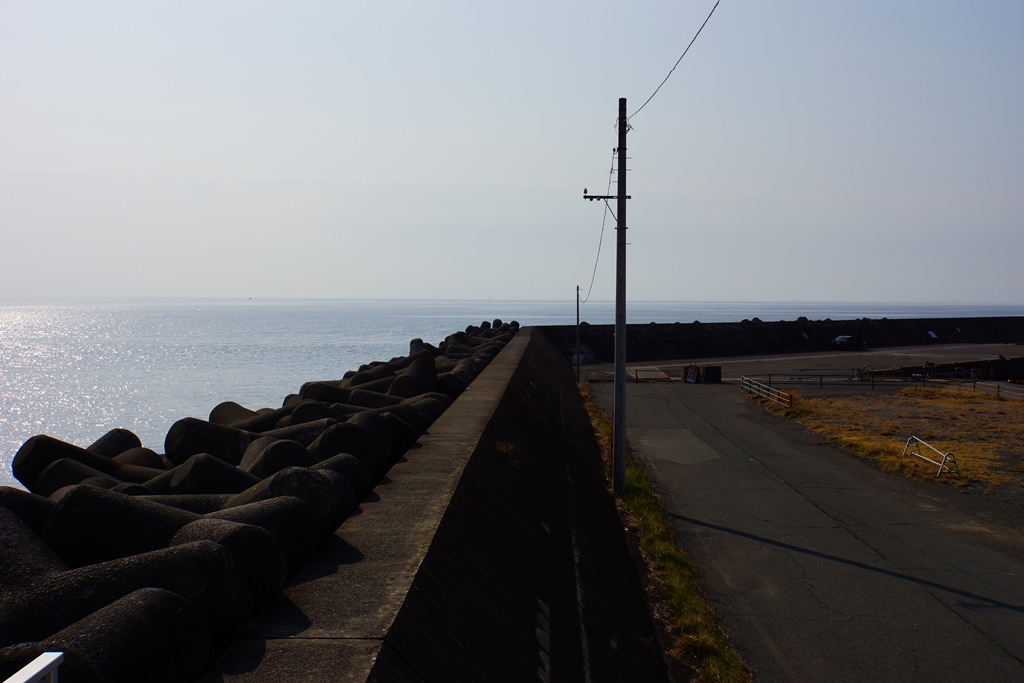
[625, 120]
[604, 218]
[677, 61]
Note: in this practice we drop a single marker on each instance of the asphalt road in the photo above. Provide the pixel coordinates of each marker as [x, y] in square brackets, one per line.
[820, 567]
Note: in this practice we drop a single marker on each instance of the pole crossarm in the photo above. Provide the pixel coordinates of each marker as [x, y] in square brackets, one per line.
[592, 197]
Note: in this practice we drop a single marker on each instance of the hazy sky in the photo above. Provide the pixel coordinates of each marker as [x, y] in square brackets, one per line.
[853, 151]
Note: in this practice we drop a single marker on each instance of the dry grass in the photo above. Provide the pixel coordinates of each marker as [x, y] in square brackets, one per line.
[693, 635]
[985, 434]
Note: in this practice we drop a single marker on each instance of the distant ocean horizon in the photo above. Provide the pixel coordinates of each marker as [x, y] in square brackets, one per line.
[76, 368]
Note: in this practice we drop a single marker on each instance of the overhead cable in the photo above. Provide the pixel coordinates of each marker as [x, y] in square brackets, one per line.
[604, 218]
[677, 62]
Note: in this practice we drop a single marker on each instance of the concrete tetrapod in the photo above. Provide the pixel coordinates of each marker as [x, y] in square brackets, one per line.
[205, 573]
[150, 635]
[40, 451]
[267, 456]
[115, 442]
[91, 525]
[202, 473]
[31, 509]
[189, 436]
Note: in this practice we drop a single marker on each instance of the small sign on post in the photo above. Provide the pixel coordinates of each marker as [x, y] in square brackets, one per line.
[692, 374]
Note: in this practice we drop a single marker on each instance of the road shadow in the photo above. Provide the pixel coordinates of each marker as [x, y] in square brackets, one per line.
[984, 602]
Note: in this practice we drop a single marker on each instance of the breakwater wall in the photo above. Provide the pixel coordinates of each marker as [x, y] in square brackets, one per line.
[206, 532]
[361, 532]
[493, 552]
[665, 341]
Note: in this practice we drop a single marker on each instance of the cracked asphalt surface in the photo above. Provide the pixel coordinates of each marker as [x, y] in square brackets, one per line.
[820, 567]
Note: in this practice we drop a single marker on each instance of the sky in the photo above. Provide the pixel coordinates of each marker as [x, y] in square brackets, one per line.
[857, 151]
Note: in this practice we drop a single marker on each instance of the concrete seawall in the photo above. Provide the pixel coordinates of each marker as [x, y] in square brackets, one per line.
[663, 341]
[351, 534]
[493, 552]
[141, 565]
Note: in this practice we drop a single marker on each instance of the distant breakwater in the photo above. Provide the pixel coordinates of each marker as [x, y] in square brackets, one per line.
[690, 341]
[143, 566]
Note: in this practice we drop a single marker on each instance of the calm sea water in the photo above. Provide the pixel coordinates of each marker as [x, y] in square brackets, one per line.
[75, 370]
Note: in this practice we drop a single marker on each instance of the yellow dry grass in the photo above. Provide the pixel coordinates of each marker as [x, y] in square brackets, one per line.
[985, 434]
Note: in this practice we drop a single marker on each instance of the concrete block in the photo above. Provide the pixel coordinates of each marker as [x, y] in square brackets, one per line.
[40, 451]
[204, 573]
[115, 442]
[267, 456]
[150, 635]
[202, 473]
[30, 508]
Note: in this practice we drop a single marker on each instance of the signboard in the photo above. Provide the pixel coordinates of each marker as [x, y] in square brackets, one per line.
[692, 374]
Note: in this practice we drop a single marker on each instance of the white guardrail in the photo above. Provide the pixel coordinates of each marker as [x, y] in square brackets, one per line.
[998, 389]
[947, 464]
[42, 669]
[752, 386]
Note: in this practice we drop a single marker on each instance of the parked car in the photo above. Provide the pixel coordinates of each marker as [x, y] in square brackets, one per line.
[848, 342]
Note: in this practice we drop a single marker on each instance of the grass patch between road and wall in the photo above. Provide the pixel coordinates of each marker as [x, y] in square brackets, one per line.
[984, 432]
[692, 634]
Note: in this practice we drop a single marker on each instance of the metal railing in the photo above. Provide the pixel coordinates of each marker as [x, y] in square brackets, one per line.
[42, 669]
[805, 374]
[752, 386]
[966, 374]
[864, 377]
[947, 464]
[1000, 390]
[832, 377]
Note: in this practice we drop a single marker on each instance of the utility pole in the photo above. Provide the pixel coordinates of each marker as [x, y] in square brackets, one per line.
[619, 401]
[619, 417]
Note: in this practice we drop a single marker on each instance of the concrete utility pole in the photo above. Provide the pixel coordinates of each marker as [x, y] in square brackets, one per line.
[619, 424]
[619, 401]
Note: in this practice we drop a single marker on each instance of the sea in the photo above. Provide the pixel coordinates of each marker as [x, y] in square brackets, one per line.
[75, 369]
